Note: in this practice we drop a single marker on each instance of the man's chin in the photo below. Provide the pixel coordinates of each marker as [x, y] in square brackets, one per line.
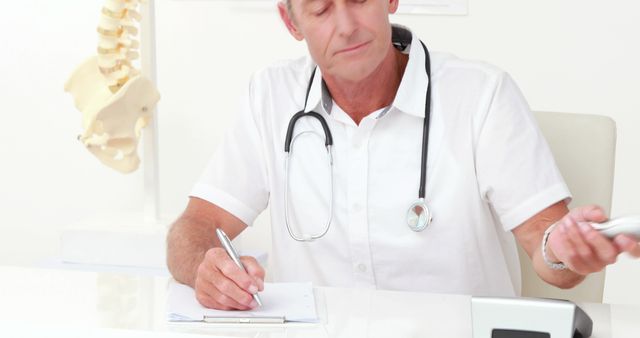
[349, 73]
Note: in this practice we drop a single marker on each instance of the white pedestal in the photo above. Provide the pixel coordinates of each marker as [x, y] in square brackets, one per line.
[118, 241]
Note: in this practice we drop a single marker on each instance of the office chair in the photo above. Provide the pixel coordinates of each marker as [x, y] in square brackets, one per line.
[584, 149]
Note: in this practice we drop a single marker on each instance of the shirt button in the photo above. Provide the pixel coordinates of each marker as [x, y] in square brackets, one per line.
[362, 267]
[357, 207]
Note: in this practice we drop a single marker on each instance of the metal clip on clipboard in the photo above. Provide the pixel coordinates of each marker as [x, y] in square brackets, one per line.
[244, 320]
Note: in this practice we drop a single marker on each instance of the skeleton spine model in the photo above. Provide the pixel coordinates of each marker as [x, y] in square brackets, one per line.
[117, 46]
[115, 99]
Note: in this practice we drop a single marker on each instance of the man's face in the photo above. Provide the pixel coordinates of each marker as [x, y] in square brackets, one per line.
[348, 39]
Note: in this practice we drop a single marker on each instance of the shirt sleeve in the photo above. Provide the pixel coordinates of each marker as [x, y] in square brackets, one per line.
[515, 168]
[235, 178]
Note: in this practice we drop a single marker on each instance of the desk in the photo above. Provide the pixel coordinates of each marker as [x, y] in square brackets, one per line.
[59, 303]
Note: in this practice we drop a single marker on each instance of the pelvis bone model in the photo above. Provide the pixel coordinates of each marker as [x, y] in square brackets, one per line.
[116, 101]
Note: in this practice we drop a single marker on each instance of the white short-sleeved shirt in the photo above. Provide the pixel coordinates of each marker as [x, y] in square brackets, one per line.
[489, 169]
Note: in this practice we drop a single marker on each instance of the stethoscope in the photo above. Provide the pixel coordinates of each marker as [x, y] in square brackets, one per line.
[418, 215]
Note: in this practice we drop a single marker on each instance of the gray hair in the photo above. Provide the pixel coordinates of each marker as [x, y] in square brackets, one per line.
[289, 8]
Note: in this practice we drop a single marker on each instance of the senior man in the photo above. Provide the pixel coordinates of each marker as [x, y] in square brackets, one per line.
[489, 176]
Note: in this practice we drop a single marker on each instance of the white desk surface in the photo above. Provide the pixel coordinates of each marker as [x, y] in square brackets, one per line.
[62, 303]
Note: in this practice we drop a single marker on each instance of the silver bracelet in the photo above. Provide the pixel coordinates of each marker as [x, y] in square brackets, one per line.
[545, 239]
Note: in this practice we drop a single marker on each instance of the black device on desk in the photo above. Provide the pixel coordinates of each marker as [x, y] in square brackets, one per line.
[494, 317]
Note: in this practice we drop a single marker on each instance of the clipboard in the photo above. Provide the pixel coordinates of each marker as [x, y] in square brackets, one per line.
[282, 303]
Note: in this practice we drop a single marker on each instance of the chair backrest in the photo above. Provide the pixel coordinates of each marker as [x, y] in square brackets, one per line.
[584, 149]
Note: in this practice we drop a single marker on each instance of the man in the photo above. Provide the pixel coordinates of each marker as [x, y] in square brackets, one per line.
[490, 173]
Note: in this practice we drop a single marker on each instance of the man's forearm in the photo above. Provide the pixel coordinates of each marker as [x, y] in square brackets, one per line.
[563, 279]
[187, 242]
[530, 235]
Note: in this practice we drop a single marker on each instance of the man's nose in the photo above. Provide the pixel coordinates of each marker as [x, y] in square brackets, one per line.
[346, 21]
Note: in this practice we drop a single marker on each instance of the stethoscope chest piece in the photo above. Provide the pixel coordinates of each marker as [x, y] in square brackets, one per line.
[419, 215]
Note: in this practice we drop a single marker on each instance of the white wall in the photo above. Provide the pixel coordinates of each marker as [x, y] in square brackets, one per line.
[572, 55]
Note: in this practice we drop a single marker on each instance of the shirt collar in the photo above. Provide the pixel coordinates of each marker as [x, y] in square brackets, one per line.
[317, 92]
[411, 94]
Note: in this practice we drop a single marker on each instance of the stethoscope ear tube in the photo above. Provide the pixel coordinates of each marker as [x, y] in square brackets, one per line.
[328, 139]
[328, 142]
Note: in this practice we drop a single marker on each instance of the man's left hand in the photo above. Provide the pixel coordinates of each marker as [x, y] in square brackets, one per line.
[583, 249]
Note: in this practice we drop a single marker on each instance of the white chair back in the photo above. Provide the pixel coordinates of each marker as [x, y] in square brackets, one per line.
[584, 149]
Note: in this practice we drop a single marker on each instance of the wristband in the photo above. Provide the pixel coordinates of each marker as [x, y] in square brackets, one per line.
[545, 239]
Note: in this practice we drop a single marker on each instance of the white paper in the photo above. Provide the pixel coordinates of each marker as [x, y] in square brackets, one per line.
[293, 301]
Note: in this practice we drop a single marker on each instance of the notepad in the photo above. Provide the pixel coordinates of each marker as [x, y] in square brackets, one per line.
[290, 302]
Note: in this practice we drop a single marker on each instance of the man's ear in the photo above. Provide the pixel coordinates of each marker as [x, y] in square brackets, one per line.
[393, 6]
[287, 18]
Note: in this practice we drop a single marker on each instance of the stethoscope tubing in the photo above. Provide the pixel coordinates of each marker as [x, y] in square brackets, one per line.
[425, 128]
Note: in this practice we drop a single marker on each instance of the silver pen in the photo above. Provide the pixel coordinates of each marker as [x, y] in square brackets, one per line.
[226, 244]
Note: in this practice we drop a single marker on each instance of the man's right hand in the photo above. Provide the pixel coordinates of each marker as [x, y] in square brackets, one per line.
[221, 284]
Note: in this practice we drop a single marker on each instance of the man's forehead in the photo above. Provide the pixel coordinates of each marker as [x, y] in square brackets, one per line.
[304, 2]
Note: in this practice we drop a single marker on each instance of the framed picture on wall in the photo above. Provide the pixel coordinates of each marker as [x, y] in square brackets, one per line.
[430, 7]
[434, 7]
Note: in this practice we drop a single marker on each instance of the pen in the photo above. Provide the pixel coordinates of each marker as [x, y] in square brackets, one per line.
[226, 243]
